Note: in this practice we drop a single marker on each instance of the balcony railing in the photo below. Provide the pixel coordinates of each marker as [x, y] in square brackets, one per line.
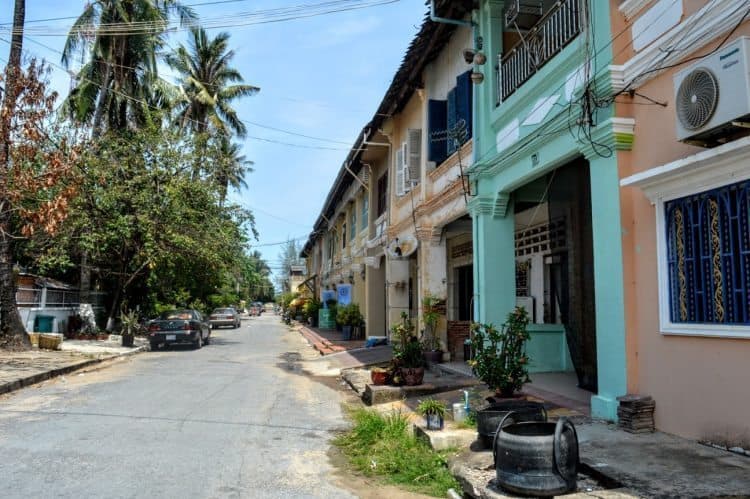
[549, 36]
[57, 298]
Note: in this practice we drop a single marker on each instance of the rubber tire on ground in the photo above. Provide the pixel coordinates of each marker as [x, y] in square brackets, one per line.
[154, 346]
[207, 340]
[198, 342]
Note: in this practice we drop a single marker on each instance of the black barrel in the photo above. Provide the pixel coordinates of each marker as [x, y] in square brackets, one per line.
[489, 418]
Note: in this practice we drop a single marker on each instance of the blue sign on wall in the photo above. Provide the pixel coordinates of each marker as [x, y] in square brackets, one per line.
[327, 294]
[344, 294]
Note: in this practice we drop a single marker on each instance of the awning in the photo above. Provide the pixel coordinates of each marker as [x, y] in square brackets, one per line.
[309, 283]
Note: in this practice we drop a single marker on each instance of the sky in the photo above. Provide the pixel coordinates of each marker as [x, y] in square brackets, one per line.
[320, 76]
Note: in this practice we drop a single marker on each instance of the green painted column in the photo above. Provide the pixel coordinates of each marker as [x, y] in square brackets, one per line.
[608, 281]
[494, 261]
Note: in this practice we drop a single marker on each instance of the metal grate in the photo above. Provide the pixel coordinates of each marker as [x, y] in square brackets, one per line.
[708, 256]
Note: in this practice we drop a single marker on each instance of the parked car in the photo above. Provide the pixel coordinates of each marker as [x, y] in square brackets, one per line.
[177, 327]
[224, 317]
[254, 311]
[259, 306]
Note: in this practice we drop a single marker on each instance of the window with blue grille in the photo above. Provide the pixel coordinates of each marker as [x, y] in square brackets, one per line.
[708, 256]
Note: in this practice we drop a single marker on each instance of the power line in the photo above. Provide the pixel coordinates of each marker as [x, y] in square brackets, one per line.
[239, 19]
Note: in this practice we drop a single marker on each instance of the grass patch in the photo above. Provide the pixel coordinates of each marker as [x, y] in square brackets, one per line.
[384, 446]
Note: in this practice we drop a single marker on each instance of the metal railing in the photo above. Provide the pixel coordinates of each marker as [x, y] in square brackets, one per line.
[550, 35]
[58, 298]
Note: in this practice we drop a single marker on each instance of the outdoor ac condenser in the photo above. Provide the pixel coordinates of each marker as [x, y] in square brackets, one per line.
[712, 96]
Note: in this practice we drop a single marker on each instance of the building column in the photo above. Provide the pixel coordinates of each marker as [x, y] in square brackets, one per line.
[616, 133]
[494, 258]
[433, 278]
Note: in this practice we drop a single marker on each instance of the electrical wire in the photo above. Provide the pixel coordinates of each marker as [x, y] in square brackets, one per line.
[234, 20]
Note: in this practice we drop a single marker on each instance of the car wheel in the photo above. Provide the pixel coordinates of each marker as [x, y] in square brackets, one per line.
[198, 342]
[154, 346]
[207, 340]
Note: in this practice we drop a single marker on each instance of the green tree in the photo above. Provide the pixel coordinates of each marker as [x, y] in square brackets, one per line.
[289, 256]
[208, 85]
[118, 82]
[229, 168]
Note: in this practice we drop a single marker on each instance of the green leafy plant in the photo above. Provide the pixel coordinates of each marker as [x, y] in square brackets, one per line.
[383, 445]
[349, 315]
[130, 323]
[431, 406]
[407, 350]
[311, 307]
[500, 359]
[430, 318]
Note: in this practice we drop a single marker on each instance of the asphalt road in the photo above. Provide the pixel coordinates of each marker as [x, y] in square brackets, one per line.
[234, 419]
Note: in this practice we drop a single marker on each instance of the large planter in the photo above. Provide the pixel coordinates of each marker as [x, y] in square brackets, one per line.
[412, 376]
[380, 377]
[539, 459]
[489, 418]
[127, 340]
[433, 356]
[50, 341]
[346, 332]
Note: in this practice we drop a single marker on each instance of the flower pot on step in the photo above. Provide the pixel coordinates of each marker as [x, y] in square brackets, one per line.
[412, 376]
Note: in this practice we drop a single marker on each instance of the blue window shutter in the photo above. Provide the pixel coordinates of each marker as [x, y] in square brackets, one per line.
[436, 130]
[451, 119]
[463, 100]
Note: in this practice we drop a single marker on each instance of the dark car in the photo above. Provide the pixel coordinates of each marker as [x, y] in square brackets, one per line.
[224, 317]
[179, 327]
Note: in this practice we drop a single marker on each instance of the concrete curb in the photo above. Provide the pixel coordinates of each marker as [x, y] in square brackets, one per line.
[43, 376]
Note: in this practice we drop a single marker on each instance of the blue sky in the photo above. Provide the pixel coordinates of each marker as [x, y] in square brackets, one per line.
[321, 76]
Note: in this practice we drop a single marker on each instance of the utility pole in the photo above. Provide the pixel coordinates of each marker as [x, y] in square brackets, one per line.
[12, 332]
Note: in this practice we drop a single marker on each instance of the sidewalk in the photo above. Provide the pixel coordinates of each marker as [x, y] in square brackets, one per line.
[328, 341]
[21, 369]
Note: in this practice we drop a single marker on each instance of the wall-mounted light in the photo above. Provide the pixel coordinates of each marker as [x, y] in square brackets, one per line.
[468, 55]
[477, 77]
[351, 277]
[479, 58]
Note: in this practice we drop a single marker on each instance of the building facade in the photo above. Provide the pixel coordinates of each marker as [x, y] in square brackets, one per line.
[545, 194]
[685, 212]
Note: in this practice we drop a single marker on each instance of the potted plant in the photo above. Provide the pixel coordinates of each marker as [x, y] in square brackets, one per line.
[500, 359]
[129, 322]
[430, 340]
[349, 317]
[407, 353]
[311, 309]
[380, 375]
[433, 412]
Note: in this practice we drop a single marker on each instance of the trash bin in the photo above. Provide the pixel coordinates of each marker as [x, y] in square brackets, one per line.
[43, 323]
[467, 350]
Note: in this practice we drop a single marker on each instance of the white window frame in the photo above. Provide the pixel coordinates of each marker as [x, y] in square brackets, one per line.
[707, 170]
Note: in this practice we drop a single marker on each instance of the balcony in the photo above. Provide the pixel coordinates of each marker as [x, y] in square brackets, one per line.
[555, 29]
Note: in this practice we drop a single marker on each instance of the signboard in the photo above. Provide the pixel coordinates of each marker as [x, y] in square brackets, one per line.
[327, 294]
[326, 320]
[344, 294]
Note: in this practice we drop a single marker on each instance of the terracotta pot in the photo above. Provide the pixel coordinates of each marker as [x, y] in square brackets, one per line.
[412, 375]
[379, 377]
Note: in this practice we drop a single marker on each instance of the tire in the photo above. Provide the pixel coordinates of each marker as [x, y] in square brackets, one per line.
[154, 346]
[207, 340]
[198, 342]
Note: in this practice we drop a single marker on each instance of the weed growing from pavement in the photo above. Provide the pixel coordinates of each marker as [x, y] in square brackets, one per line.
[384, 446]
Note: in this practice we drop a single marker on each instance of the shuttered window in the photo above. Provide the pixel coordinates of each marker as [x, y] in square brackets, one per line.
[459, 113]
[437, 126]
[400, 174]
[382, 193]
[413, 156]
[353, 223]
[365, 210]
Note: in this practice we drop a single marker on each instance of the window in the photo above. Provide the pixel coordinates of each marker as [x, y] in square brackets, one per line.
[708, 256]
[365, 210]
[343, 235]
[382, 193]
[353, 223]
[449, 121]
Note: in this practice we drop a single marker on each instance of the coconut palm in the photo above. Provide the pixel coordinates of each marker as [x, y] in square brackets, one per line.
[123, 39]
[208, 85]
[230, 169]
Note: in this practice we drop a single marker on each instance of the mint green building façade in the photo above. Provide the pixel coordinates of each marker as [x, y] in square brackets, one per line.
[545, 192]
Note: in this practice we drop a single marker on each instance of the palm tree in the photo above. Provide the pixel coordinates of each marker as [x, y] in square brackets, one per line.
[230, 168]
[123, 38]
[208, 85]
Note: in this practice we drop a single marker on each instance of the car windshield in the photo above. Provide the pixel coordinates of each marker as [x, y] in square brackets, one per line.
[177, 314]
[223, 311]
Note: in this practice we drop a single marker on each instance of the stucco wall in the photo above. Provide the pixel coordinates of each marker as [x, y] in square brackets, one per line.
[699, 384]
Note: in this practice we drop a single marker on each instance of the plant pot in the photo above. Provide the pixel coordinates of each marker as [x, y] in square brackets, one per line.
[347, 332]
[34, 338]
[412, 376]
[102, 337]
[433, 356]
[127, 340]
[380, 377]
[434, 421]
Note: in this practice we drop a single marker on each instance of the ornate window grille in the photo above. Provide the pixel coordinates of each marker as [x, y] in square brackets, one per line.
[708, 256]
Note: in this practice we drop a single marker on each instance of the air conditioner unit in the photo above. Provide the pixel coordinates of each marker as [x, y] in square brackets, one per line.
[712, 97]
